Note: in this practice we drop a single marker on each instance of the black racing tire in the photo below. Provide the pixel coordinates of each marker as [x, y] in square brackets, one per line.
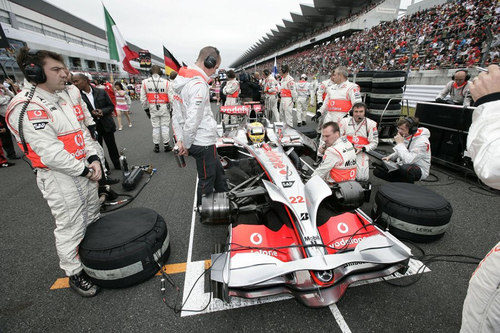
[125, 247]
[382, 96]
[391, 106]
[412, 212]
[364, 79]
[389, 79]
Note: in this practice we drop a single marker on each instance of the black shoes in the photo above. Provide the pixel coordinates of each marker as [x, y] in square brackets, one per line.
[7, 164]
[299, 124]
[157, 148]
[111, 181]
[82, 285]
[13, 157]
[303, 123]
[167, 148]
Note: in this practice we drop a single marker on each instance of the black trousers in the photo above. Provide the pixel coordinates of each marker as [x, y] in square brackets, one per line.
[210, 171]
[109, 139]
[7, 143]
[407, 173]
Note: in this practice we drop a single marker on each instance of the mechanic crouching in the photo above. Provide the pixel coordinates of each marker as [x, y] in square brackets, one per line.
[412, 153]
[339, 156]
[62, 155]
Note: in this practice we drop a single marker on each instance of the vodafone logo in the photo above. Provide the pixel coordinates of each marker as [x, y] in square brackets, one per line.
[342, 228]
[38, 113]
[355, 139]
[256, 238]
[79, 140]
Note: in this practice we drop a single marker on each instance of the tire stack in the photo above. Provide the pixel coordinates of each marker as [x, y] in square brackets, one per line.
[364, 81]
[380, 87]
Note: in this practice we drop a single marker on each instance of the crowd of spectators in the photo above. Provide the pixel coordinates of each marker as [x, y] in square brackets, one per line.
[452, 35]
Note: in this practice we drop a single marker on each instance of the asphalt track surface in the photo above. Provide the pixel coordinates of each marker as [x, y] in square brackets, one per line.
[29, 265]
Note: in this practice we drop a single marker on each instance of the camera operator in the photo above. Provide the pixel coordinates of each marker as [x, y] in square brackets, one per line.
[194, 123]
[412, 153]
[67, 167]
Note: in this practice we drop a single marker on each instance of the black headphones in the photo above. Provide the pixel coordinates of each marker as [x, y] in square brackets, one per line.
[412, 125]
[467, 75]
[210, 62]
[33, 69]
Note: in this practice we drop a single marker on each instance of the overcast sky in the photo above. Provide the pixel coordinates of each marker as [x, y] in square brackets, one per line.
[185, 26]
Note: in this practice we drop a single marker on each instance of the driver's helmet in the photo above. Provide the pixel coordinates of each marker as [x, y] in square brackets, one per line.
[256, 132]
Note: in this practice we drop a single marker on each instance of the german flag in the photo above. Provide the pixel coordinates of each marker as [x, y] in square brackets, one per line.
[171, 64]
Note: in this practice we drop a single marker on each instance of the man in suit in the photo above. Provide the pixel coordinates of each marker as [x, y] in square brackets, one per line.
[101, 108]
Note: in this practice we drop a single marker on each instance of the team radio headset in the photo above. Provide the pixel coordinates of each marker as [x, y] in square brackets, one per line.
[412, 129]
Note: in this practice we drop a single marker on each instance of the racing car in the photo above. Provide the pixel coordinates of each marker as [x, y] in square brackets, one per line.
[290, 232]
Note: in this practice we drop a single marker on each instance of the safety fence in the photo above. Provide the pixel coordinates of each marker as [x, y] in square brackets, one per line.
[421, 93]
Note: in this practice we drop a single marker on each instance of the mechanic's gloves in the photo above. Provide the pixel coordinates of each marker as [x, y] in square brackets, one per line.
[316, 117]
[147, 113]
[93, 131]
[440, 100]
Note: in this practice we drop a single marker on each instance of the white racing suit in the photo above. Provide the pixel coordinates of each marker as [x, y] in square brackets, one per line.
[58, 149]
[481, 311]
[339, 100]
[232, 91]
[362, 135]
[72, 95]
[320, 98]
[339, 162]
[459, 95]
[303, 91]
[415, 150]
[288, 94]
[483, 143]
[194, 125]
[270, 88]
[156, 94]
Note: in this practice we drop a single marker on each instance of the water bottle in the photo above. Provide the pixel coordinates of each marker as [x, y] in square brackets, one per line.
[181, 162]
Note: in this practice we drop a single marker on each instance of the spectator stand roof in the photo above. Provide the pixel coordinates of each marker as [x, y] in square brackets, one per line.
[312, 19]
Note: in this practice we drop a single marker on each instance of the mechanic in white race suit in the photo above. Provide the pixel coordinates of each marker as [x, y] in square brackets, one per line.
[412, 153]
[270, 89]
[363, 134]
[288, 95]
[339, 157]
[232, 92]
[481, 311]
[320, 98]
[194, 124]
[67, 167]
[156, 94]
[303, 92]
[340, 97]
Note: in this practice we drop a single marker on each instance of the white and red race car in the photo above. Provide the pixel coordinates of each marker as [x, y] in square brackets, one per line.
[289, 233]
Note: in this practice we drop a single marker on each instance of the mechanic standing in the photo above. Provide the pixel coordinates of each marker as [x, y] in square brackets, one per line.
[194, 124]
[288, 94]
[339, 97]
[363, 134]
[303, 92]
[156, 94]
[67, 168]
[339, 158]
[271, 98]
[320, 98]
[232, 91]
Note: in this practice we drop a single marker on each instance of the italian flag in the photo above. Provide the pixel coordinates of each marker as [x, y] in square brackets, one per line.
[118, 48]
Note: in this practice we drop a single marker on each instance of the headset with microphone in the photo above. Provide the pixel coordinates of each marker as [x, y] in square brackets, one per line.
[211, 61]
[412, 125]
[33, 70]
[467, 75]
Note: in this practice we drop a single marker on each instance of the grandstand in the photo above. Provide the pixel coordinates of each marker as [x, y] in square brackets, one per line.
[455, 34]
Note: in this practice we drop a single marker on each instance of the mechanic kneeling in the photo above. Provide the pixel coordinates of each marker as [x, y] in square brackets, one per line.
[412, 153]
[339, 156]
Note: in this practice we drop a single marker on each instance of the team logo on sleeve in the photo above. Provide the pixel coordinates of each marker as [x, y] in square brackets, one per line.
[40, 125]
[37, 114]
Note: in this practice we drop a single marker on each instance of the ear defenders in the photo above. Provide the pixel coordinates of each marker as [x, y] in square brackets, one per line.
[33, 70]
[412, 125]
[210, 62]
[467, 75]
